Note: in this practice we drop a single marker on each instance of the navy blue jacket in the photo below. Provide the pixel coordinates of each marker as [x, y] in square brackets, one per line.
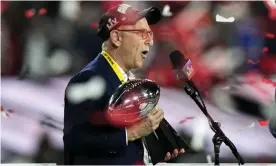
[89, 144]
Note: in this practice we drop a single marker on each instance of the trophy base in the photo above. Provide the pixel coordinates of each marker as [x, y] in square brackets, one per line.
[165, 139]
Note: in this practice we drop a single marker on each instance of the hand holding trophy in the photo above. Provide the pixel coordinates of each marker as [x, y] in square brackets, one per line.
[134, 106]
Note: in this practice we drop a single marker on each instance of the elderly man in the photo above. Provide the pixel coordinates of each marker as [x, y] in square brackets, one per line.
[127, 39]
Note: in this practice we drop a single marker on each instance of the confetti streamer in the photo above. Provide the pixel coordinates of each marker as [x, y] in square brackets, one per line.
[186, 119]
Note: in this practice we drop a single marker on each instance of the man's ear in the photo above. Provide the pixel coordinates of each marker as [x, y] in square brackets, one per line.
[115, 38]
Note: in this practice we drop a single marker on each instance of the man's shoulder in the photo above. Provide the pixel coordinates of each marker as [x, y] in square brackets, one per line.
[82, 76]
[86, 76]
[89, 71]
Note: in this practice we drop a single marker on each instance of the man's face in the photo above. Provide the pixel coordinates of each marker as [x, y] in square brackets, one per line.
[135, 44]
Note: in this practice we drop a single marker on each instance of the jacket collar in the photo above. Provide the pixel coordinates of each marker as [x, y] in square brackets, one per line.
[101, 66]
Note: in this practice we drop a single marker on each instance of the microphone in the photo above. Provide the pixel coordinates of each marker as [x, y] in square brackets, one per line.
[164, 139]
[182, 68]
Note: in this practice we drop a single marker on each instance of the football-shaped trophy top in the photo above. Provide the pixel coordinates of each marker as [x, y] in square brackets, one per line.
[132, 101]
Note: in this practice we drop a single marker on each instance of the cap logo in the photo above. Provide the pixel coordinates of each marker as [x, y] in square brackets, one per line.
[122, 8]
[111, 23]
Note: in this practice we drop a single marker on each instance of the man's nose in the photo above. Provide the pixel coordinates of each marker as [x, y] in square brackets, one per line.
[149, 41]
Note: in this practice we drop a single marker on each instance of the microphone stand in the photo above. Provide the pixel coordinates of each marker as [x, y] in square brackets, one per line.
[219, 136]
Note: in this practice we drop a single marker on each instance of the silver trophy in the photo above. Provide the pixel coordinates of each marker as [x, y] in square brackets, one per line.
[133, 101]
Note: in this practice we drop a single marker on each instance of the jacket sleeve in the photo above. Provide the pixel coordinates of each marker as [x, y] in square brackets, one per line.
[80, 134]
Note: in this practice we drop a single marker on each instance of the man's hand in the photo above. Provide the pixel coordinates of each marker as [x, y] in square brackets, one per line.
[146, 126]
[174, 154]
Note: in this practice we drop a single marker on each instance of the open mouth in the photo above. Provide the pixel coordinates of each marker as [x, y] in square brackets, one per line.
[144, 54]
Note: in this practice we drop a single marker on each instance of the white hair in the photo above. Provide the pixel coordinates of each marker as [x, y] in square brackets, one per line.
[105, 45]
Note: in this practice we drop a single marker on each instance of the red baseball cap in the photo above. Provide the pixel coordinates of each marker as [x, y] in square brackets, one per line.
[125, 14]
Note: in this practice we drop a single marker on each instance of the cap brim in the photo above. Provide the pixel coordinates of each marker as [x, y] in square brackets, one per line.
[153, 15]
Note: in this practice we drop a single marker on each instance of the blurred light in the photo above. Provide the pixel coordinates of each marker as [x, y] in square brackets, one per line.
[94, 25]
[36, 54]
[135, 97]
[270, 35]
[30, 13]
[93, 89]
[226, 60]
[221, 97]
[69, 9]
[271, 5]
[191, 15]
[4, 6]
[200, 128]
[254, 82]
[42, 11]
[60, 61]
[126, 101]
[209, 159]
[167, 11]
[237, 10]
[223, 19]
[265, 49]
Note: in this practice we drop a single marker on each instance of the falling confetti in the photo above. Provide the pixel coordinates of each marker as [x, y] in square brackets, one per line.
[30, 13]
[263, 123]
[6, 113]
[166, 11]
[265, 49]
[42, 11]
[270, 35]
[94, 25]
[252, 125]
[186, 119]
[60, 61]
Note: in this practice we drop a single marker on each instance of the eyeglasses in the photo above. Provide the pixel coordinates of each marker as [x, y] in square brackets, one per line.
[143, 32]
